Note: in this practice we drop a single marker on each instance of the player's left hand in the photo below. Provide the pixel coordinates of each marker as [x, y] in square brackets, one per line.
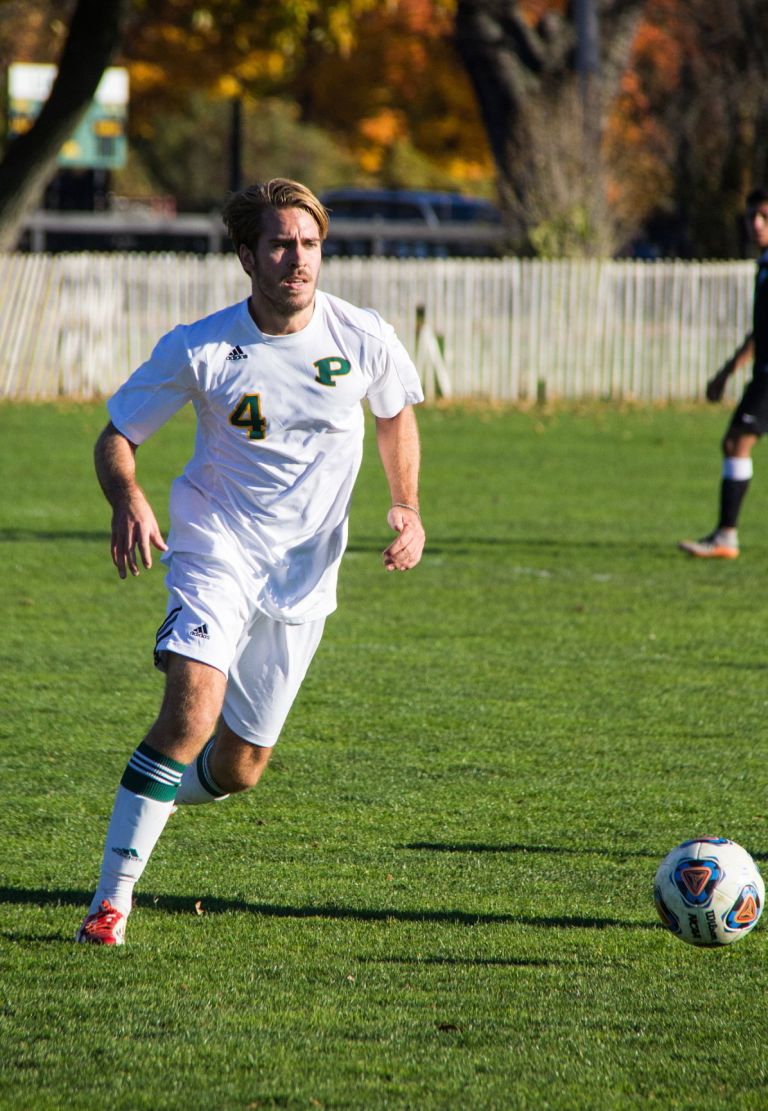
[717, 383]
[405, 550]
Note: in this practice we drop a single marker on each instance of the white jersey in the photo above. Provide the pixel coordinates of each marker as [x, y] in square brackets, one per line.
[279, 440]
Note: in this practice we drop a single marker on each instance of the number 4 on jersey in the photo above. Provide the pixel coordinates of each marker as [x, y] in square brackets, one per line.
[247, 414]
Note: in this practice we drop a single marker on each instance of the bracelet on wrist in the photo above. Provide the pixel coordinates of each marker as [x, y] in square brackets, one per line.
[404, 505]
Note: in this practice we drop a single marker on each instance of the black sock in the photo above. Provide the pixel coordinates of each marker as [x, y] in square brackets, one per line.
[732, 493]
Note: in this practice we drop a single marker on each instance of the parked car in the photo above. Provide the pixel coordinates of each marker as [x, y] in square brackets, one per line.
[411, 223]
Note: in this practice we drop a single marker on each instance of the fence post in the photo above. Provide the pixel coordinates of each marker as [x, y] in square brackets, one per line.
[429, 359]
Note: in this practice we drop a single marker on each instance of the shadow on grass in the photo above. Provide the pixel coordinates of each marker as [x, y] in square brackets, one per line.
[479, 847]
[209, 905]
[23, 535]
[467, 962]
[436, 546]
[565, 545]
[362, 546]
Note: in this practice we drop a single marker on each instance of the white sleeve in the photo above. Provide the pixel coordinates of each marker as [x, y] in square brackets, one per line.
[396, 380]
[156, 390]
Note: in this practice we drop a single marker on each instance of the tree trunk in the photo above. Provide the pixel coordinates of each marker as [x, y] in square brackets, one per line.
[505, 62]
[29, 162]
[526, 81]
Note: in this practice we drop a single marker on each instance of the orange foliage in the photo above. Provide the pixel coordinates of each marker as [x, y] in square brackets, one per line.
[382, 75]
[638, 148]
[31, 34]
[403, 82]
[533, 10]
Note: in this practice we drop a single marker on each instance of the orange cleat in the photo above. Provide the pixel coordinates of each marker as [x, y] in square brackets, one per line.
[709, 547]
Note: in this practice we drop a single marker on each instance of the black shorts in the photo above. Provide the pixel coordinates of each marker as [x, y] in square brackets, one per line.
[751, 414]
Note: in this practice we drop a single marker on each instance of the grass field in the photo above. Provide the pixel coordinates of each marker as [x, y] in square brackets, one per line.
[441, 894]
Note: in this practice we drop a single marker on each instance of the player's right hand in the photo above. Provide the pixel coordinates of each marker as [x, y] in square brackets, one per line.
[134, 527]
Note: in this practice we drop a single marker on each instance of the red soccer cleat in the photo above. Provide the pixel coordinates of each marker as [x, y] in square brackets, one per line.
[105, 927]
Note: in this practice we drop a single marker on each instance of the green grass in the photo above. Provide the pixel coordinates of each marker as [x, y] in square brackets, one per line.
[440, 895]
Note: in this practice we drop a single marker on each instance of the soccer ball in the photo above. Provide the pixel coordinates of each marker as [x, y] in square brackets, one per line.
[709, 891]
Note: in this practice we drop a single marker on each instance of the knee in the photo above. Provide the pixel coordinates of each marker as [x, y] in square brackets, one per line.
[737, 448]
[737, 445]
[237, 766]
[236, 780]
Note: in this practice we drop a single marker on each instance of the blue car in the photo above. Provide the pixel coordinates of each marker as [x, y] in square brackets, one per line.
[411, 223]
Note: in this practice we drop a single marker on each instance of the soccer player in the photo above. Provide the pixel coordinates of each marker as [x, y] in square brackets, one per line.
[750, 418]
[258, 518]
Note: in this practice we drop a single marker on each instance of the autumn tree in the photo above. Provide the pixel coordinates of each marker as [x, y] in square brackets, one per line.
[521, 57]
[380, 83]
[688, 135]
[670, 126]
[401, 99]
[94, 34]
[173, 49]
[198, 70]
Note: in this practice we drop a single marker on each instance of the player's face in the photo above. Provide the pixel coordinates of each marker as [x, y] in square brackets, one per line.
[284, 267]
[757, 221]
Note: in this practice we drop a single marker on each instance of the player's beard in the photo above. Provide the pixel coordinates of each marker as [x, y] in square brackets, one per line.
[285, 302]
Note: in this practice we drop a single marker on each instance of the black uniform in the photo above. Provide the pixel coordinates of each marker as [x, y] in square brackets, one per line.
[751, 415]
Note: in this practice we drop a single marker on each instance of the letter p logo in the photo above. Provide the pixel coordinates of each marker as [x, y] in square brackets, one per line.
[329, 369]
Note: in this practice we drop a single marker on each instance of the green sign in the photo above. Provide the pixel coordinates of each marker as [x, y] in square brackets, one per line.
[99, 143]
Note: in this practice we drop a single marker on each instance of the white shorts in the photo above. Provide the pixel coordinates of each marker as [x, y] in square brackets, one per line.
[211, 619]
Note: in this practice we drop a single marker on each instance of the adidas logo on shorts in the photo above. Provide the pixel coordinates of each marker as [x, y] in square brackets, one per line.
[201, 631]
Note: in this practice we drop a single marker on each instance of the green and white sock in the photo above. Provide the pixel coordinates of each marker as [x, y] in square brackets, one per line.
[144, 802]
[197, 784]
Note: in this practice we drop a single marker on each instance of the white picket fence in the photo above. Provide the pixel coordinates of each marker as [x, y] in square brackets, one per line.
[501, 330]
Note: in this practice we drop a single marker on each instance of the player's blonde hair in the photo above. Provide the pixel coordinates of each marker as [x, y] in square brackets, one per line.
[242, 212]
